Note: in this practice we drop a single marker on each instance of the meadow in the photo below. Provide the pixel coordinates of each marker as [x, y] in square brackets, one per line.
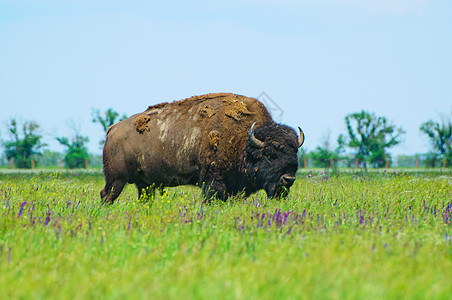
[349, 235]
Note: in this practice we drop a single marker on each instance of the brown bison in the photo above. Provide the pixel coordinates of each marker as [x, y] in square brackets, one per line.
[225, 143]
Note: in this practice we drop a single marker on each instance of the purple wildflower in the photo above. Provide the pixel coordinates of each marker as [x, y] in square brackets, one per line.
[47, 218]
[286, 214]
[21, 208]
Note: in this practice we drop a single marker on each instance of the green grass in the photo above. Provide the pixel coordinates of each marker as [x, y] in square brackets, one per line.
[375, 236]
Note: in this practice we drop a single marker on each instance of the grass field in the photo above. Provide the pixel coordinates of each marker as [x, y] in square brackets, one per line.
[381, 235]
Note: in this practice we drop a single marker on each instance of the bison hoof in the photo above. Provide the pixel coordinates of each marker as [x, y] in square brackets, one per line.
[107, 202]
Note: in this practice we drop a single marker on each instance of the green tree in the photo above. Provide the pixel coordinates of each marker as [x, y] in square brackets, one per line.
[107, 119]
[440, 136]
[22, 148]
[323, 154]
[76, 152]
[370, 137]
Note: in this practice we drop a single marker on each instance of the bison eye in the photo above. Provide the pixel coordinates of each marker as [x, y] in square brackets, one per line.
[273, 156]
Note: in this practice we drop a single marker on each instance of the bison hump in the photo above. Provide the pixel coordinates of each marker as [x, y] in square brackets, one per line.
[236, 109]
[206, 111]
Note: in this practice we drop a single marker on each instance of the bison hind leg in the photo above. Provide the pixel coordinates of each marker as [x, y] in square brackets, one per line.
[104, 192]
[111, 191]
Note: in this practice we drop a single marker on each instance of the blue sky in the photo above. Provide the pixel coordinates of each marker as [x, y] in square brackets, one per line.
[318, 60]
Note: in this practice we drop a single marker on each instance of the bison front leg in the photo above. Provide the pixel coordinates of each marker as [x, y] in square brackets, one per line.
[142, 188]
[148, 191]
[214, 189]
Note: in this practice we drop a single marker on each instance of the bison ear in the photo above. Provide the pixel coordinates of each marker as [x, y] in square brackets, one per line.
[252, 140]
[300, 137]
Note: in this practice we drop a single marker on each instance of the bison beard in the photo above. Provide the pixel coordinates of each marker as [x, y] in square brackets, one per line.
[226, 143]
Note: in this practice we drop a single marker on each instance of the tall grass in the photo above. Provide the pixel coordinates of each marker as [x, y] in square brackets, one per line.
[380, 235]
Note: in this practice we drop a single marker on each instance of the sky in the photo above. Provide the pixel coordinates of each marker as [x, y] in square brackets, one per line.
[317, 60]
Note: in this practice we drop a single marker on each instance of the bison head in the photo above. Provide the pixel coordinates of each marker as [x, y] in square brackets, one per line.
[271, 158]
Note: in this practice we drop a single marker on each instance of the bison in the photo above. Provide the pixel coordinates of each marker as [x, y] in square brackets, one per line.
[225, 143]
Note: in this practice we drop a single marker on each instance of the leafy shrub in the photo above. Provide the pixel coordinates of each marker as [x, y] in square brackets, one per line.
[76, 154]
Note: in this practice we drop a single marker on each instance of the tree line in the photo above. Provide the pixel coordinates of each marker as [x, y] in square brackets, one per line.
[368, 138]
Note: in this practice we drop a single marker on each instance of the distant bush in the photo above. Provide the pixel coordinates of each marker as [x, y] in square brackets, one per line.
[76, 154]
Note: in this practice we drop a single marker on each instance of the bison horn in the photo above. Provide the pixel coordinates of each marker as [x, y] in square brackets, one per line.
[300, 137]
[253, 140]
[289, 179]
